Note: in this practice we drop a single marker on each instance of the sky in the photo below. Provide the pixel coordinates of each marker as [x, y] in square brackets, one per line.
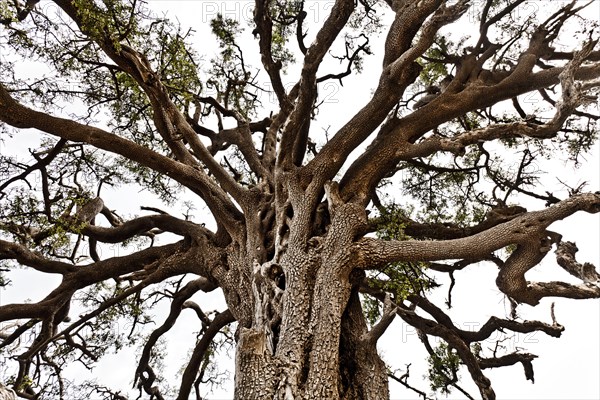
[567, 368]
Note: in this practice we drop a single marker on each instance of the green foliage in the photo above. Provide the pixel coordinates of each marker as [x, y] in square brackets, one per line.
[225, 30]
[405, 279]
[392, 222]
[510, 248]
[22, 211]
[25, 382]
[447, 188]
[118, 326]
[230, 77]
[78, 75]
[443, 368]
[401, 279]
[283, 13]
[176, 62]
[372, 309]
[7, 13]
[107, 20]
[433, 71]
[161, 185]
[72, 71]
[45, 225]
[578, 139]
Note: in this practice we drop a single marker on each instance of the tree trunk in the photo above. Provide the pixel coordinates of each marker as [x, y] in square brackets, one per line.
[308, 338]
[334, 360]
[6, 393]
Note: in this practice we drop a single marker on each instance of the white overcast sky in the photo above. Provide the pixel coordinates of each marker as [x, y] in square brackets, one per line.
[567, 368]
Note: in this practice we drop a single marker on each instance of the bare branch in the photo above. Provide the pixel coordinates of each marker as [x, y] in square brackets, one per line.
[294, 137]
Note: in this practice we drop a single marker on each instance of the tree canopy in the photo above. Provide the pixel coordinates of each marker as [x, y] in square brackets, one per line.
[317, 224]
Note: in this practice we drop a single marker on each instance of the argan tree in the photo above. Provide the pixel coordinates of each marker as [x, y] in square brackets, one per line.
[318, 236]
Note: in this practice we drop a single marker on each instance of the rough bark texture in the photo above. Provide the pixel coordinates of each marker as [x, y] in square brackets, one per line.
[300, 230]
[6, 393]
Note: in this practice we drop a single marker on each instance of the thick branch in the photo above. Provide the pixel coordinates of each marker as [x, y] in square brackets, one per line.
[264, 27]
[294, 137]
[20, 116]
[141, 225]
[393, 82]
[431, 327]
[168, 119]
[527, 231]
[396, 143]
[13, 251]
[490, 327]
[510, 359]
[376, 252]
[82, 276]
[565, 256]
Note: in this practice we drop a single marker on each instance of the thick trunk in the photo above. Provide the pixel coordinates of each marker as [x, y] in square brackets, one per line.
[347, 369]
[256, 370]
[320, 348]
[307, 337]
[363, 373]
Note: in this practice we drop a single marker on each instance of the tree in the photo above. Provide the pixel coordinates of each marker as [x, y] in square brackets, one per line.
[314, 262]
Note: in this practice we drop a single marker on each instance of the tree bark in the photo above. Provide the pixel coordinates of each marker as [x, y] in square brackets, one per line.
[319, 347]
[334, 359]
